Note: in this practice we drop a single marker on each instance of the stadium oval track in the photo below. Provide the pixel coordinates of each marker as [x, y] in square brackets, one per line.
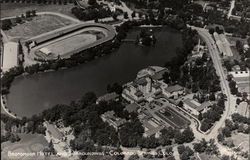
[58, 35]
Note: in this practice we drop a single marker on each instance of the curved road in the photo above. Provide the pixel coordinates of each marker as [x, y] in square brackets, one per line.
[230, 103]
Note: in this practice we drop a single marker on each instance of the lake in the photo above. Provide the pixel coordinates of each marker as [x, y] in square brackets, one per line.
[32, 94]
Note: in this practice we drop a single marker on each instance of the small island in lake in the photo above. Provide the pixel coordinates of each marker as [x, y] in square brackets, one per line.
[146, 38]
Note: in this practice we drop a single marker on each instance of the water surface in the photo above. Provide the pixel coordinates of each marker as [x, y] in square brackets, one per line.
[32, 94]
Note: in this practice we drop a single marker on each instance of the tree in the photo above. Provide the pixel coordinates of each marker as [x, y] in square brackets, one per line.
[200, 117]
[14, 138]
[225, 157]
[226, 132]
[92, 2]
[165, 140]
[185, 152]
[88, 98]
[229, 124]
[220, 137]
[133, 14]
[181, 149]
[18, 19]
[205, 126]
[212, 97]
[28, 14]
[212, 148]
[200, 147]
[51, 147]
[188, 135]
[169, 152]
[179, 137]
[131, 134]
[159, 153]
[117, 88]
[180, 104]
[238, 101]
[125, 15]
[33, 13]
[134, 157]
[211, 31]
[114, 16]
[6, 24]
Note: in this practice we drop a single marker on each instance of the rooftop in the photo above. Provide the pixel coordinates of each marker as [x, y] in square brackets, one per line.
[10, 55]
[141, 81]
[139, 93]
[54, 131]
[174, 88]
[151, 132]
[156, 85]
[133, 107]
[159, 75]
[194, 104]
[111, 118]
[108, 97]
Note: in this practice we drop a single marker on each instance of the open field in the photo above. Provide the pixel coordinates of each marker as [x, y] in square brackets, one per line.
[67, 45]
[14, 9]
[70, 40]
[236, 54]
[3, 131]
[241, 140]
[204, 156]
[29, 143]
[38, 25]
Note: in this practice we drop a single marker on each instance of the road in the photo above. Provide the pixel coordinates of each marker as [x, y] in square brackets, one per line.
[5, 110]
[230, 103]
[231, 9]
[229, 15]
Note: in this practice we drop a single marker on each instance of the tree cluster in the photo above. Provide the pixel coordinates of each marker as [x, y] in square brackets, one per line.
[7, 24]
[84, 117]
[212, 115]
[185, 152]
[91, 13]
[200, 76]
[60, 2]
[190, 39]
[206, 147]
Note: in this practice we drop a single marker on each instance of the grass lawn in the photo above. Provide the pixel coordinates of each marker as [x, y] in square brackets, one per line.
[236, 54]
[242, 140]
[29, 143]
[3, 131]
[38, 25]
[204, 156]
[13, 9]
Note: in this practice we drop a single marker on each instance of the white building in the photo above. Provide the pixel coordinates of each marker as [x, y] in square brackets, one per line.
[242, 79]
[108, 97]
[195, 107]
[112, 120]
[10, 55]
[45, 51]
[175, 90]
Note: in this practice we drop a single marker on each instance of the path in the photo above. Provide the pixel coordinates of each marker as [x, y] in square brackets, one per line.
[230, 103]
[4, 107]
[231, 9]
[5, 37]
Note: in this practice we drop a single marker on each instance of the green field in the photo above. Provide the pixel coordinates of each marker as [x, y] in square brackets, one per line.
[13, 9]
[241, 140]
[29, 143]
[38, 25]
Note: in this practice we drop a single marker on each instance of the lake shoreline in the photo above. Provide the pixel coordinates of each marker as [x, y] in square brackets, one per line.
[95, 61]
